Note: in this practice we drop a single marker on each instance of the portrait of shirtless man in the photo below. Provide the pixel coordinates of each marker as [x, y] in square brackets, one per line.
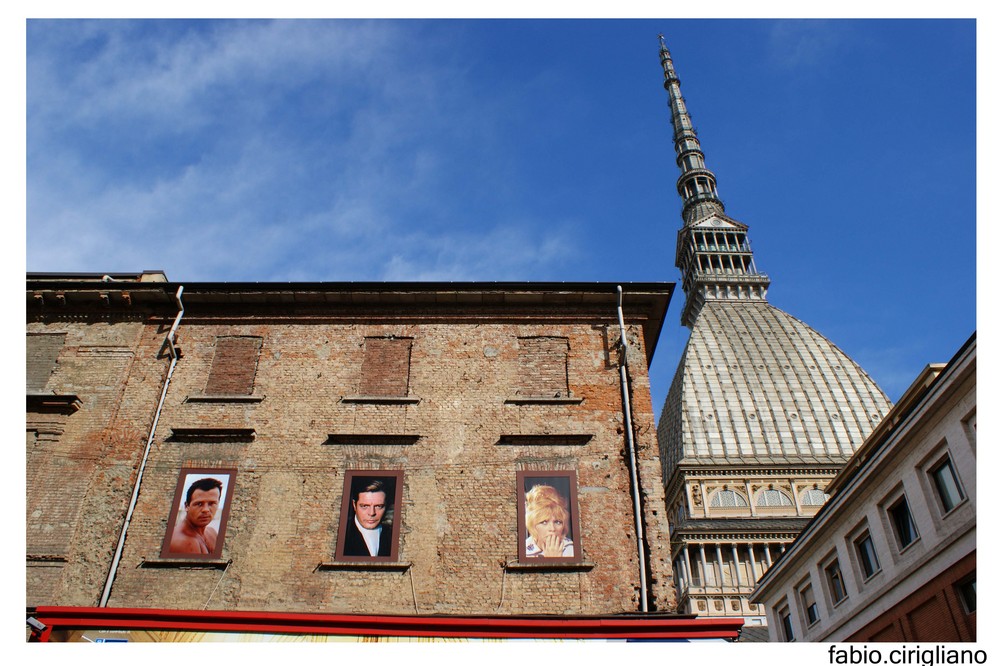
[192, 533]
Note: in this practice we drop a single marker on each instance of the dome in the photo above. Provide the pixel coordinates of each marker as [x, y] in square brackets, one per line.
[757, 386]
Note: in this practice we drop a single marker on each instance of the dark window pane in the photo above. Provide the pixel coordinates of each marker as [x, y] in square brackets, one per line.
[967, 591]
[946, 482]
[809, 603]
[786, 626]
[902, 522]
[866, 556]
[836, 580]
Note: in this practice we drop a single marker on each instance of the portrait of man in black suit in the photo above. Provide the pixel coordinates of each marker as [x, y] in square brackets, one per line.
[367, 525]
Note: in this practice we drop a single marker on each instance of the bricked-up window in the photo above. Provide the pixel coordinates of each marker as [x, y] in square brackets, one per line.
[42, 351]
[543, 370]
[234, 365]
[386, 368]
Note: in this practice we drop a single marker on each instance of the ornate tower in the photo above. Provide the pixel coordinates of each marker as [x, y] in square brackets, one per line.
[762, 411]
[713, 252]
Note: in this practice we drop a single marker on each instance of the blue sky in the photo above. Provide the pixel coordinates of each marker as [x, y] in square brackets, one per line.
[519, 150]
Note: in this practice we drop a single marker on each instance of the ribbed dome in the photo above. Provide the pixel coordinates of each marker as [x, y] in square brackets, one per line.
[756, 385]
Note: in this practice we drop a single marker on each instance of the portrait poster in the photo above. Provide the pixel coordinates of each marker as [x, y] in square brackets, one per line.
[370, 514]
[199, 513]
[548, 523]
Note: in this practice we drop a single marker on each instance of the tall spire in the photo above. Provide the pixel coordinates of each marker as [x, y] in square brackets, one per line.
[696, 184]
[713, 252]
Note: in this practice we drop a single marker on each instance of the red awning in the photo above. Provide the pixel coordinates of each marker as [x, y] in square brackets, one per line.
[132, 624]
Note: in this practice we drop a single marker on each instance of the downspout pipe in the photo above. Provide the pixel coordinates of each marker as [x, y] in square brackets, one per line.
[172, 351]
[636, 504]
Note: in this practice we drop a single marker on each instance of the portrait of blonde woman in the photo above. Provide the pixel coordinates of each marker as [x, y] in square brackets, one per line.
[547, 522]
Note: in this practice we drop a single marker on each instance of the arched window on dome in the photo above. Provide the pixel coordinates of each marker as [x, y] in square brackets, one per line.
[727, 499]
[813, 497]
[772, 497]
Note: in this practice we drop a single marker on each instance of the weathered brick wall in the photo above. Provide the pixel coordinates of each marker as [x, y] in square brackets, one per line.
[655, 517]
[459, 498]
[81, 465]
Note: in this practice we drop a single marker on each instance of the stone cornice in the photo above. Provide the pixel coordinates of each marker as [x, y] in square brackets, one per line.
[645, 303]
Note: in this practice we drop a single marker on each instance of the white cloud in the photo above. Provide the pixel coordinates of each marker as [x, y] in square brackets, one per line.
[505, 253]
[265, 150]
[164, 75]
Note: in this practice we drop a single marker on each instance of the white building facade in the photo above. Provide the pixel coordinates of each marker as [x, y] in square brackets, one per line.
[892, 555]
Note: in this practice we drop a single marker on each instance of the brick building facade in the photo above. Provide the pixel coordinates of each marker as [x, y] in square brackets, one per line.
[287, 389]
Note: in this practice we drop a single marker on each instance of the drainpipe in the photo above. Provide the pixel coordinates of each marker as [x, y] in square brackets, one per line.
[627, 412]
[172, 350]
